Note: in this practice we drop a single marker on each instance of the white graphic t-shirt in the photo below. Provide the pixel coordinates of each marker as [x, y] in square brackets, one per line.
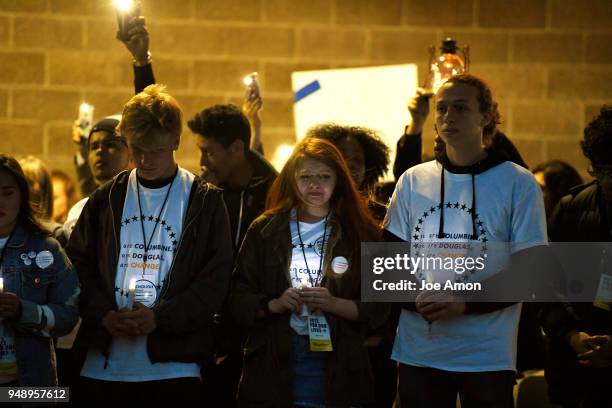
[306, 271]
[8, 356]
[128, 360]
[509, 209]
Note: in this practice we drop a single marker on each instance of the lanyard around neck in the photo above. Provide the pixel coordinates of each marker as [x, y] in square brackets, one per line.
[314, 282]
[157, 219]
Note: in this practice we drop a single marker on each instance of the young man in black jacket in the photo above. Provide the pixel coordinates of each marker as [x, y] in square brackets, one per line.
[154, 256]
[579, 365]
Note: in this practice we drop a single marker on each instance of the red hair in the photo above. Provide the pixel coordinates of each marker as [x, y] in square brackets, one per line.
[346, 203]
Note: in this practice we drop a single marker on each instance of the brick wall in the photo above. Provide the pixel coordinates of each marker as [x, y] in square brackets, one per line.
[549, 60]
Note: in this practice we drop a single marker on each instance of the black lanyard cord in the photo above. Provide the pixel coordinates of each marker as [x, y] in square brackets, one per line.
[144, 237]
[316, 280]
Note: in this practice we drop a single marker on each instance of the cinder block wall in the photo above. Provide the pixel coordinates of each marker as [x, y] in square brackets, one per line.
[550, 61]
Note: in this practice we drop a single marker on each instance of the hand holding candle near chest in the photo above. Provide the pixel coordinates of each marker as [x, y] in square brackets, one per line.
[10, 306]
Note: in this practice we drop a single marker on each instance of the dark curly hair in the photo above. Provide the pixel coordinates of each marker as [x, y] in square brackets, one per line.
[375, 150]
[597, 143]
[223, 123]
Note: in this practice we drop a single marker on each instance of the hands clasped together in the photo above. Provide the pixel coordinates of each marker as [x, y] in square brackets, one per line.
[317, 299]
[130, 323]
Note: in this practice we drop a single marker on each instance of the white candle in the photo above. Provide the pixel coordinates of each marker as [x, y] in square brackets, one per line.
[1, 285]
[131, 294]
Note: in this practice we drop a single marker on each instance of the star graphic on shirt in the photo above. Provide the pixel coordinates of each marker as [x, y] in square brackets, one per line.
[142, 218]
[425, 214]
[157, 219]
[172, 235]
[463, 206]
[168, 228]
[479, 223]
[417, 229]
[163, 222]
[439, 206]
[432, 209]
[415, 236]
[134, 218]
[310, 246]
[469, 210]
[456, 205]
[126, 221]
[484, 239]
[116, 288]
[150, 218]
[174, 242]
[420, 220]
[416, 246]
[482, 232]
[449, 205]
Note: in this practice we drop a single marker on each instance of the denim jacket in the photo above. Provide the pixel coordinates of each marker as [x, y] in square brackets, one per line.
[37, 270]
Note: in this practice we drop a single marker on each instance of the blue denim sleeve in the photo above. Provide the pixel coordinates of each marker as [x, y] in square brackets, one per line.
[58, 316]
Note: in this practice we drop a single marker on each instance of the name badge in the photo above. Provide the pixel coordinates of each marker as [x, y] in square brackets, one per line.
[319, 333]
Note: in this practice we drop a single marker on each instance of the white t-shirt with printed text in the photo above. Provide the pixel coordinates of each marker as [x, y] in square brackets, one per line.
[128, 359]
[509, 209]
[301, 272]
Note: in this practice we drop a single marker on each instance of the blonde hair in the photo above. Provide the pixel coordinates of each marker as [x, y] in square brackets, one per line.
[151, 117]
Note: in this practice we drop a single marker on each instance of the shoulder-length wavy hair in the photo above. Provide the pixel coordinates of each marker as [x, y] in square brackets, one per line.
[347, 204]
[27, 215]
[41, 186]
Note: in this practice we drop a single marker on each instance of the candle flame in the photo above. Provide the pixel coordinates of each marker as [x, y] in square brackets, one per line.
[124, 5]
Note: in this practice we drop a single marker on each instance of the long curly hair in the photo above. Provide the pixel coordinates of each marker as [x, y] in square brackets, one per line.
[346, 203]
[375, 151]
[486, 102]
[597, 142]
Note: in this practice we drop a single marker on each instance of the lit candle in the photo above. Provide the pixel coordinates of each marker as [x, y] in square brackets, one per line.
[131, 293]
[250, 79]
[1, 285]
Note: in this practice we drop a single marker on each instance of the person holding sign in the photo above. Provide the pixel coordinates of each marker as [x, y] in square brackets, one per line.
[154, 252]
[297, 287]
[38, 287]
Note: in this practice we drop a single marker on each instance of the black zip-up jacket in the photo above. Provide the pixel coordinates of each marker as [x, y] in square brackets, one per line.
[197, 281]
[581, 216]
[244, 204]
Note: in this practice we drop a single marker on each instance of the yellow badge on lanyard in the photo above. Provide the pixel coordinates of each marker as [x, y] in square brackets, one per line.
[603, 298]
[319, 333]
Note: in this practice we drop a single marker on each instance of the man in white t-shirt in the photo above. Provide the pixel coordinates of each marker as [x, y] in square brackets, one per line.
[154, 256]
[468, 198]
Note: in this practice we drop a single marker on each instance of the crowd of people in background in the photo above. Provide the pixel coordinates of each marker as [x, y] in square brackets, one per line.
[141, 281]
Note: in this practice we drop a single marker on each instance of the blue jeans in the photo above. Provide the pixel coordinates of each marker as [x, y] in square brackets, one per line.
[309, 368]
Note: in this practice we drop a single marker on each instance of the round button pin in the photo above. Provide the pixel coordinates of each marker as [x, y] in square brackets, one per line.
[37, 280]
[339, 264]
